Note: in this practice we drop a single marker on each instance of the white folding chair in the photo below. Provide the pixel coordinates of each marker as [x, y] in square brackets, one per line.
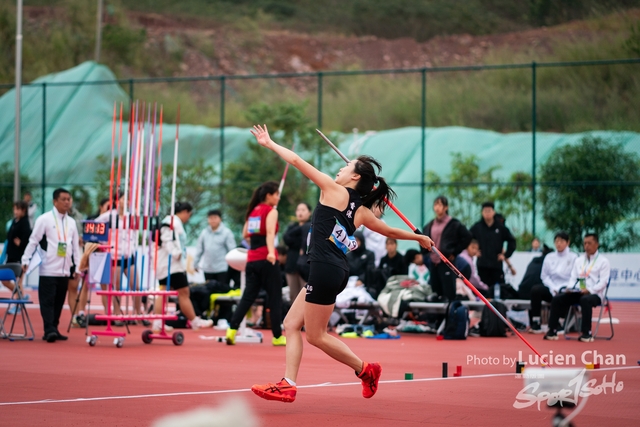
[575, 315]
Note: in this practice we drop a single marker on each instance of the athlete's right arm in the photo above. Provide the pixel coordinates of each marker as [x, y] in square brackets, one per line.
[322, 180]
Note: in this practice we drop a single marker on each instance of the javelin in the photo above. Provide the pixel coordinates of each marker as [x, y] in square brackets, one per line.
[284, 175]
[444, 259]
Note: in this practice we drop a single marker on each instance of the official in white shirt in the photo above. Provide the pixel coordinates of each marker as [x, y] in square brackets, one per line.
[587, 285]
[556, 272]
[56, 233]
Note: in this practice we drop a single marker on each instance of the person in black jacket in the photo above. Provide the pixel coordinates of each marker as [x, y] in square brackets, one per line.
[293, 239]
[19, 232]
[303, 259]
[393, 262]
[17, 236]
[491, 235]
[450, 237]
[362, 261]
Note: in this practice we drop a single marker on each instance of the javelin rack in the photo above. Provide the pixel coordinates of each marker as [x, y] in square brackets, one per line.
[147, 336]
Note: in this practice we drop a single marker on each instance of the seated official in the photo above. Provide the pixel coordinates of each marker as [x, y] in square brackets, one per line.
[587, 285]
[555, 274]
[393, 261]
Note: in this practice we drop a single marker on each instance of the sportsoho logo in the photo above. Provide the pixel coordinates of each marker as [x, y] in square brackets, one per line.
[561, 387]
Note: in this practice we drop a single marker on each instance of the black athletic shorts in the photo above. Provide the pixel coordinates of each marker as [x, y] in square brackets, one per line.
[178, 281]
[325, 282]
[131, 261]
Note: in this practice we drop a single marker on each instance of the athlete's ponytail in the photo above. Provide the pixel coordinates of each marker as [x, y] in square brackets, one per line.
[372, 188]
[260, 194]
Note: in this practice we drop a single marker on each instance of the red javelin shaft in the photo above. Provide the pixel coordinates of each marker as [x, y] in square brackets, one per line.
[445, 260]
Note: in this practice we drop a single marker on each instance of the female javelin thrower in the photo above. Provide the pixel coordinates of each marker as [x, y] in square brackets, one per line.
[344, 206]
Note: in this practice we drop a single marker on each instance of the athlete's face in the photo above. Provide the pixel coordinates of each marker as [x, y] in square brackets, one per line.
[272, 199]
[347, 174]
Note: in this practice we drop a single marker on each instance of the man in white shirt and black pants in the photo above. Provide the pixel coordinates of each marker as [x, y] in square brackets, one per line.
[587, 285]
[556, 273]
[55, 231]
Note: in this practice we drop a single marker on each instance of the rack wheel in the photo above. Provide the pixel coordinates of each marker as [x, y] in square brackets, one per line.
[92, 340]
[177, 338]
[119, 342]
[146, 336]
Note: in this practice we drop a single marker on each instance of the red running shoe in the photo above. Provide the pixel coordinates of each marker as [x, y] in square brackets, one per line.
[370, 375]
[282, 391]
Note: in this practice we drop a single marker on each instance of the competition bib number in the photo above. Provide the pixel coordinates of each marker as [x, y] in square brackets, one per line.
[342, 240]
[253, 225]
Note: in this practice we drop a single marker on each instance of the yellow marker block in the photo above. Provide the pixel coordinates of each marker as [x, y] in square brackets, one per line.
[589, 366]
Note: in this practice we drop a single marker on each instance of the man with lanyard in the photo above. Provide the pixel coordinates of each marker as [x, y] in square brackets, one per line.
[587, 285]
[56, 233]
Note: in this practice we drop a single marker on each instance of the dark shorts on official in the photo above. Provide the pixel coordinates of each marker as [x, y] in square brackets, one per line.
[325, 282]
[178, 281]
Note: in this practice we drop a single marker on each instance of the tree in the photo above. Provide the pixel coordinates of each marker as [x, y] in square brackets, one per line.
[592, 187]
[195, 183]
[287, 123]
[468, 187]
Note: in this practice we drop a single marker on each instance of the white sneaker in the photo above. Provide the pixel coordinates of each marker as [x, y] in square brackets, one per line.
[157, 326]
[198, 323]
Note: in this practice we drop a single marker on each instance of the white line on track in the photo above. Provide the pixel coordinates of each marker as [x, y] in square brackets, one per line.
[243, 390]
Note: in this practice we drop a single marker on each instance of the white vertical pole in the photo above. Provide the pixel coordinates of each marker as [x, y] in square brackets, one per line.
[98, 30]
[16, 160]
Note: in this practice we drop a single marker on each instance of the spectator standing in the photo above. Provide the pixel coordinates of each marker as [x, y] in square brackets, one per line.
[59, 236]
[18, 233]
[491, 235]
[555, 274]
[172, 255]
[376, 242]
[33, 207]
[74, 279]
[17, 238]
[303, 258]
[451, 237]
[103, 206]
[293, 238]
[589, 278]
[262, 271]
[214, 242]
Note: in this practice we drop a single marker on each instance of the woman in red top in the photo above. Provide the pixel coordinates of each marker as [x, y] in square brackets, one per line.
[262, 271]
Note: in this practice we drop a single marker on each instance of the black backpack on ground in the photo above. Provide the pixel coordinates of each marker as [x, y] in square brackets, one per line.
[457, 322]
[200, 295]
[491, 325]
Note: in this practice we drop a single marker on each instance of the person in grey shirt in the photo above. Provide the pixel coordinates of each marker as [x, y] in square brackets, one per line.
[213, 244]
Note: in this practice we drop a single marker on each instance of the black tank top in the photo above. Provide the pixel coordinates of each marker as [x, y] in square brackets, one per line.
[331, 234]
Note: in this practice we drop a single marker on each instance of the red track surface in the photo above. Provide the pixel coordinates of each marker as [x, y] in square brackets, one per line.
[43, 384]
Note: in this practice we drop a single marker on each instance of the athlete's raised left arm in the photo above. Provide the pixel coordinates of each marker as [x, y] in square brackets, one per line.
[365, 217]
[322, 180]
